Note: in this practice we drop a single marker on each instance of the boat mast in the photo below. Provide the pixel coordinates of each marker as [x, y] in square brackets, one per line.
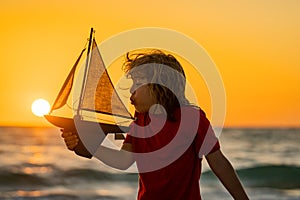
[85, 71]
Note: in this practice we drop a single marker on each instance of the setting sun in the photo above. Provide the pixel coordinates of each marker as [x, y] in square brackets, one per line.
[40, 107]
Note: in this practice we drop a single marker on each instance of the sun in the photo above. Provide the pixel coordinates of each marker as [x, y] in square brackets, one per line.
[40, 107]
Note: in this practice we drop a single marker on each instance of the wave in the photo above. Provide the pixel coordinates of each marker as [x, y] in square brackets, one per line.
[31, 176]
[28, 176]
[9, 179]
[269, 176]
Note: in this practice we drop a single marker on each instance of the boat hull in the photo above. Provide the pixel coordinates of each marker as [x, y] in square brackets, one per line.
[68, 124]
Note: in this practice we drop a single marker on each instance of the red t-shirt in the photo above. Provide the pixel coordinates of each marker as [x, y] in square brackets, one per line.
[168, 155]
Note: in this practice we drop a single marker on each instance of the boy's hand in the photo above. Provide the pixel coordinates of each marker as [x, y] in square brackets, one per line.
[71, 139]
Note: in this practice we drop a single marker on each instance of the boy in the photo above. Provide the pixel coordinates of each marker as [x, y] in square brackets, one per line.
[169, 136]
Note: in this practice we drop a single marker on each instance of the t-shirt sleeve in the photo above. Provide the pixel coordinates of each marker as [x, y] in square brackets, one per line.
[206, 140]
[215, 148]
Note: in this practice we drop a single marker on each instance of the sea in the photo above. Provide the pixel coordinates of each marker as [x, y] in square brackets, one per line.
[35, 164]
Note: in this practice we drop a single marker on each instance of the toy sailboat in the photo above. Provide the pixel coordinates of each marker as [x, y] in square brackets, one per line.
[97, 95]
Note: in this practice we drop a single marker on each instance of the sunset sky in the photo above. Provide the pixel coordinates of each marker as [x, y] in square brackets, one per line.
[255, 45]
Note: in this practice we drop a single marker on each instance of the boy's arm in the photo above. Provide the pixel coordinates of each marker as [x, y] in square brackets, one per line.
[226, 174]
[120, 159]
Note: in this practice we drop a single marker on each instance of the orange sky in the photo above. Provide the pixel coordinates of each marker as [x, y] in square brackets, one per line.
[255, 45]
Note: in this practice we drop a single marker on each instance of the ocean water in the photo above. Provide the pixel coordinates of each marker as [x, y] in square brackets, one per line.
[35, 164]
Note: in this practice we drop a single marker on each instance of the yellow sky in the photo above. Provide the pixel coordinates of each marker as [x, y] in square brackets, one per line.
[255, 45]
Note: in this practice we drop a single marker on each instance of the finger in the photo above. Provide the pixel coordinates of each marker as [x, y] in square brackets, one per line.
[71, 144]
[71, 140]
[71, 147]
[66, 134]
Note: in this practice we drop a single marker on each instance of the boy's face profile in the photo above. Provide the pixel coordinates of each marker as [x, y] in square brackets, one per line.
[159, 79]
[141, 97]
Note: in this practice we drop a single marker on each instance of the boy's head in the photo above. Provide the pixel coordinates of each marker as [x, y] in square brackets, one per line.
[162, 75]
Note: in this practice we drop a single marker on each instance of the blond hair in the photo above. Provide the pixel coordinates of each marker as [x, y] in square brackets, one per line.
[165, 76]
